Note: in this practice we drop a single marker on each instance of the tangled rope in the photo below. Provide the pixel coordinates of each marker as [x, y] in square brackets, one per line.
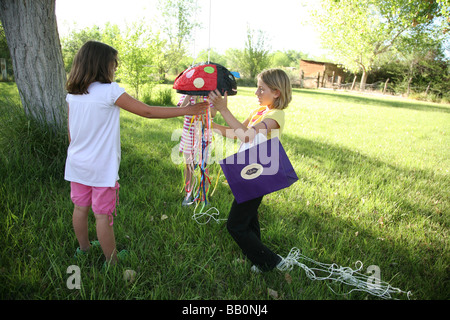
[344, 275]
[199, 217]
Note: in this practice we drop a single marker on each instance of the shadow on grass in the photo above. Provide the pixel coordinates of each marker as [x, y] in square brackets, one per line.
[368, 100]
[148, 177]
[411, 261]
[359, 232]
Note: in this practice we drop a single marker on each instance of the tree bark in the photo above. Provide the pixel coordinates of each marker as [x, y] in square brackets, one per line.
[353, 84]
[385, 86]
[428, 89]
[362, 85]
[33, 40]
[408, 90]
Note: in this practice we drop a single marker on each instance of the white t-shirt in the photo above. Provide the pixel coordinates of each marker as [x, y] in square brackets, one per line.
[93, 156]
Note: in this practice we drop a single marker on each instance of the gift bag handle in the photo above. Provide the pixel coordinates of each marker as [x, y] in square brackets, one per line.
[259, 138]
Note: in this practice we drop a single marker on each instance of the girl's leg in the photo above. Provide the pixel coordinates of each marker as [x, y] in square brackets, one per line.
[188, 176]
[80, 226]
[243, 225]
[105, 235]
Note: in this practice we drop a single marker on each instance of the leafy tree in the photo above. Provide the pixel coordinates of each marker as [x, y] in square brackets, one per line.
[136, 45]
[295, 56]
[289, 58]
[233, 60]
[280, 59]
[213, 55]
[360, 31]
[177, 25]
[137, 54]
[256, 53]
[418, 53]
[112, 35]
[71, 43]
[254, 58]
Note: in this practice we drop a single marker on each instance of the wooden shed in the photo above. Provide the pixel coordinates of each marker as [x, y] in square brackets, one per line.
[316, 74]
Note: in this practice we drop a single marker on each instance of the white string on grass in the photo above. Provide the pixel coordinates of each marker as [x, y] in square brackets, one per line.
[345, 275]
[199, 217]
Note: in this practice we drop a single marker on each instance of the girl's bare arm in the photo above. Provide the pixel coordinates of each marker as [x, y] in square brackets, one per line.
[135, 106]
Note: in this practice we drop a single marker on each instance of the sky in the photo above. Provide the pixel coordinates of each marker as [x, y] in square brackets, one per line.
[223, 22]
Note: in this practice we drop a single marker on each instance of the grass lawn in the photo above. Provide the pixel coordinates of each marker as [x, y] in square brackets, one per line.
[374, 186]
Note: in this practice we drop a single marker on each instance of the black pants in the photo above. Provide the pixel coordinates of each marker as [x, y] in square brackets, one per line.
[243, 225]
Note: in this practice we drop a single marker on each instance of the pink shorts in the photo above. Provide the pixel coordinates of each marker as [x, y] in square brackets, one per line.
[102, 199]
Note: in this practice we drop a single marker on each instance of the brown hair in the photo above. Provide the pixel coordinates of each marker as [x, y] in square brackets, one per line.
[95, 61]
[277, 79]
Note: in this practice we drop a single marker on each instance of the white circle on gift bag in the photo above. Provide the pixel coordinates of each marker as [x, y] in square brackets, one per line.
[252, 171]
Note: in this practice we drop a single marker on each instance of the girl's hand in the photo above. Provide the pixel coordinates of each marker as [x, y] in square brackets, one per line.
[196, 108]
[216, 99]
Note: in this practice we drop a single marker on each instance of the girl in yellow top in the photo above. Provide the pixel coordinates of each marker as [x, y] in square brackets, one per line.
[274, 95]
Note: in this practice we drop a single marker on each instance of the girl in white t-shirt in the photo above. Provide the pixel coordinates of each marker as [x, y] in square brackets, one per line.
[93, 156]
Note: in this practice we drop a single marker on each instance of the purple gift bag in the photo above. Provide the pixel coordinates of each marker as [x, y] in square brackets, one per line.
[259, 170]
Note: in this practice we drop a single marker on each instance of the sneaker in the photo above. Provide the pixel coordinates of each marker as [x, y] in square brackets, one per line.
[279, 266]
[95, 244]
[282, 265]
[286, 264]
[82, 253]
[121, 257]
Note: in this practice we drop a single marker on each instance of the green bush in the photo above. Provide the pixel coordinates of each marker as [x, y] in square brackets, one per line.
[159, 97]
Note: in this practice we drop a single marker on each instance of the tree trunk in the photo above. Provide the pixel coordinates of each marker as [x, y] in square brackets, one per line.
[353, 84]
[362, 86]
[408, 90]
[428, 89]
[385, 86]
[33, 40]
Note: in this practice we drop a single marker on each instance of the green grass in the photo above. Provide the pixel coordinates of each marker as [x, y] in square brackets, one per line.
[373, 186]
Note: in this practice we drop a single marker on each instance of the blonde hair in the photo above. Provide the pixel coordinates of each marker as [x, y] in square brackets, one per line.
[277, 79]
